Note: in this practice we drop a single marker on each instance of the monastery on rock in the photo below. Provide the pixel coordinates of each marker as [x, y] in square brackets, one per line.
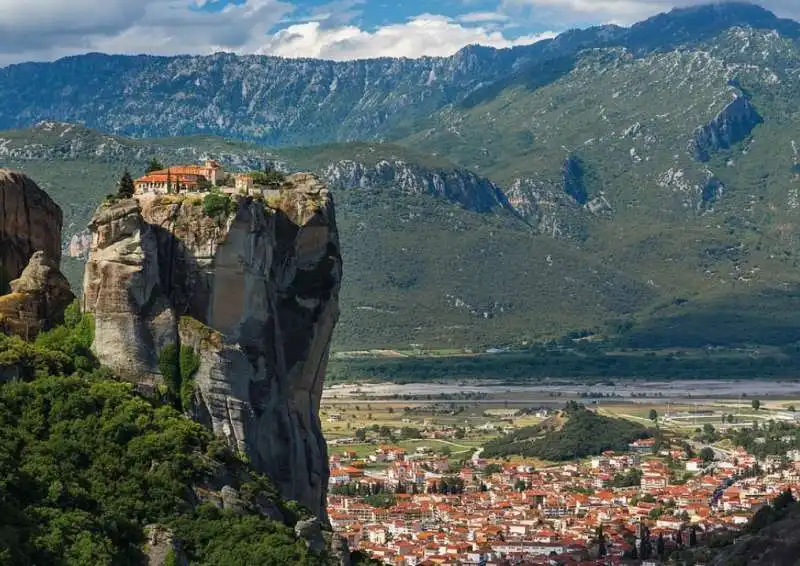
[193, 178]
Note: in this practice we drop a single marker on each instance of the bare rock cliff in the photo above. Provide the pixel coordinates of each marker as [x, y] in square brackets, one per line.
[29, 222]
[251, 293]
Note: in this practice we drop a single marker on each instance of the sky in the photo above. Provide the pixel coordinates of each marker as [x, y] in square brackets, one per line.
[43, 30]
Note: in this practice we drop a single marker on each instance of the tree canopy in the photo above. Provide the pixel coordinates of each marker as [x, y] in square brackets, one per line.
[86, 464]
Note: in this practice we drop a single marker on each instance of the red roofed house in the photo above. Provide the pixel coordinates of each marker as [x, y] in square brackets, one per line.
[181, 178]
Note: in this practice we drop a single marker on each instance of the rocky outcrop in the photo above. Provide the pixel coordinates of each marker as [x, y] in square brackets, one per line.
[728, 128]
[29, 222]
[253, 293]
[79, 245]
[457, 185]
[161, 548]
[37, 300]
[572, 173]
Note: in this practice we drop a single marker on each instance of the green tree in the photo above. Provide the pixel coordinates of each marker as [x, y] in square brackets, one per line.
[154, 165]
[653, 415]
[707, 454]
[125, 187]
[169, 366]
[216, 204]
[756, 404]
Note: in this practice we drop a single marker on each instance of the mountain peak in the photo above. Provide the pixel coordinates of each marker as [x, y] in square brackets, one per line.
[700, 23]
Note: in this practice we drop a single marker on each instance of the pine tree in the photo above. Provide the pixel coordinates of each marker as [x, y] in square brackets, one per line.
[679, 538]
[660, 546]
[125, 188]
[692, 537]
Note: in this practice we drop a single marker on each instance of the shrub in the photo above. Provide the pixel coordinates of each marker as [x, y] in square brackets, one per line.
[189, 363]
[217, 204]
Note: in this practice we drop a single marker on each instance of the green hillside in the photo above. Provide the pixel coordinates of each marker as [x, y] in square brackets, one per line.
[572, 433]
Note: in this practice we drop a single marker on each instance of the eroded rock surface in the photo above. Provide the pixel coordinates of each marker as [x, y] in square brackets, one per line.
[37, 300]
[253, 293]
[728, 128]
[29, 222]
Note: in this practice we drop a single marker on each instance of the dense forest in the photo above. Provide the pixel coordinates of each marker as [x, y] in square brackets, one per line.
[574, 433]
[554, 362]
[86, 465]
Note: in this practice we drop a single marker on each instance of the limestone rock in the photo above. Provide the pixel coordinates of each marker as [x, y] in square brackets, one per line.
[160, 544]
[255, 295]
[728, 128]
[458, 185]
[29, 222]
[37, 300]
[310, 530]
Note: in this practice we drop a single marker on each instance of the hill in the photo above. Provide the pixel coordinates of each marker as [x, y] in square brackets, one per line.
[572, 433]
[433, 254]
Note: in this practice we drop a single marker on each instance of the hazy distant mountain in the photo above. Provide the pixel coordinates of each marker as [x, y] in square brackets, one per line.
[304, 101]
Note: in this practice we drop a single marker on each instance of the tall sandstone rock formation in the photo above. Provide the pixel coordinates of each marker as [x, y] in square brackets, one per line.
[36, 293]
[254, 292]
[29, 222]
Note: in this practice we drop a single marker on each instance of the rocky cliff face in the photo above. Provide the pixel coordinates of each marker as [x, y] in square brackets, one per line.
[253, 293]
[457, 185]
[728, 128]
[29, 222]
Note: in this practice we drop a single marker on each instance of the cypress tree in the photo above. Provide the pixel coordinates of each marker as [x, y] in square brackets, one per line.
[125, 187]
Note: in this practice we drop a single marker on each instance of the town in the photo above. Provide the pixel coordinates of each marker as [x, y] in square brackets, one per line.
[418, 505]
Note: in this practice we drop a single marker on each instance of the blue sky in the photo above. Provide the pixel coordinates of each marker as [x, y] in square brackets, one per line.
[41, 30]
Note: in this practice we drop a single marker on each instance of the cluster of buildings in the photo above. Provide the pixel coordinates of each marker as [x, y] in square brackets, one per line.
[514, 513]
[193, 178]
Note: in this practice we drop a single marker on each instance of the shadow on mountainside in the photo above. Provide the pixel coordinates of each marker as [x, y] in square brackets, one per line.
[766, 317]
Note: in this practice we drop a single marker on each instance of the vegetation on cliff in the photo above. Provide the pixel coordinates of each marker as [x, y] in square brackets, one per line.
[86, 465]
[574, 433]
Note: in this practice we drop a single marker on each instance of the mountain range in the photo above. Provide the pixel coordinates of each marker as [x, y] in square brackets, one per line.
[639, 183]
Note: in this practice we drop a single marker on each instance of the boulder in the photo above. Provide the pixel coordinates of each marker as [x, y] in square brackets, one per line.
[37, 300]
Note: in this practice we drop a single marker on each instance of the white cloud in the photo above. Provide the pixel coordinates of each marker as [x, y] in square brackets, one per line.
[47, 29]
[483, 17]
[424, 35]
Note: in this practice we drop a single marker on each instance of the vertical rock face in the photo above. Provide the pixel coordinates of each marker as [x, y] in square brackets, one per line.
[573, 175]
[253, 293]
[458, 185]
[728, 128]
[29, 222]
